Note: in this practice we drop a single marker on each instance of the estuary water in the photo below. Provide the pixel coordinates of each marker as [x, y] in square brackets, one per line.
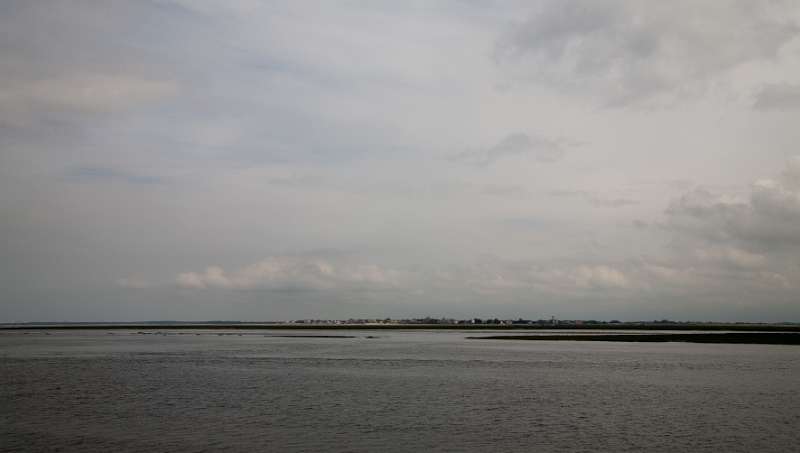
[397, 391]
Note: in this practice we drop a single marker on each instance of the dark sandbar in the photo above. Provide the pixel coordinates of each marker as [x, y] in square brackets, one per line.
[311, 336]
[736, 338]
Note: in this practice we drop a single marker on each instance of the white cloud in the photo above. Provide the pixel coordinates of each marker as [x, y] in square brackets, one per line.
[731, 256]
[292, 272]
[133, 282]
[601, 277]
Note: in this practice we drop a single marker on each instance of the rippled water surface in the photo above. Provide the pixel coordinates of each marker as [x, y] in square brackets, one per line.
[402, 391]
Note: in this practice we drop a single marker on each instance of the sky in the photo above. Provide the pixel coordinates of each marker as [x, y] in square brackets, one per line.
[278, 160]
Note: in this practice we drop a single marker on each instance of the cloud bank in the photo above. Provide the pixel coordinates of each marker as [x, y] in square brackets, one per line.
[292, 273]
[274, 160]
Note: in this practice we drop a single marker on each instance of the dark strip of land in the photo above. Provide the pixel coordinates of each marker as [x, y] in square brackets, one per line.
[311, 336]
[258, 326]
[737, 338]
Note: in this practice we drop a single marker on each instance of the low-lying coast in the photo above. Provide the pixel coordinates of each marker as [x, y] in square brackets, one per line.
[478, 327]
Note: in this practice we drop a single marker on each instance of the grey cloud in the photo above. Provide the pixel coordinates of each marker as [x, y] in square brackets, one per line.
[678, 184]
[89, 93]
[766, 221]
[751, 242]
[529, 223]
[791, 174]
[541, 149]
[93, 58]
[722, 246]
[597, 200]
[782, 96]
[504, 190]
[629, 51]
[102, 174]
[150, 147]
[613, 202]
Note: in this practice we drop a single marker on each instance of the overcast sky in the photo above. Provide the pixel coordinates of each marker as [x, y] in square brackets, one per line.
[238, 159]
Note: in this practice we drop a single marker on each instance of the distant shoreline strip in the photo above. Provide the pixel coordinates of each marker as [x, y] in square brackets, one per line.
[476, 327]
[733, 338]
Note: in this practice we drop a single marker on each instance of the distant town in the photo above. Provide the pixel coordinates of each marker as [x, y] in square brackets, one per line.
[429, 322]
[551, 322]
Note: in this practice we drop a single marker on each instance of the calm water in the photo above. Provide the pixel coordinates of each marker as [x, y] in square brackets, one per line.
[403, 391]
